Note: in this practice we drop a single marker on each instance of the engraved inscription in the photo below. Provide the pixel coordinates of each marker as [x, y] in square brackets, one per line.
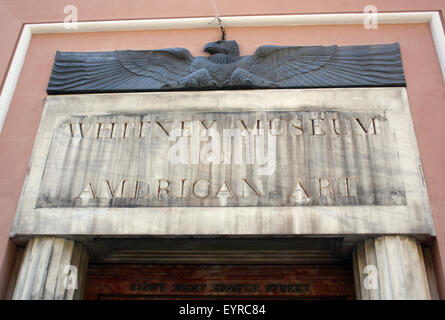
[283, 158]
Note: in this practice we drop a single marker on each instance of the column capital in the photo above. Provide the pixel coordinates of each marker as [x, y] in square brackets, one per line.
[51, 269]
[390, 268]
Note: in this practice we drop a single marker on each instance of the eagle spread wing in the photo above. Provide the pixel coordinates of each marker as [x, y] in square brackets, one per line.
[269, 67]
[292, 67]
[109, 71]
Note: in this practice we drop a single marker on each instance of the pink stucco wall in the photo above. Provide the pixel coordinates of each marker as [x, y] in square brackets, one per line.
[426, 88]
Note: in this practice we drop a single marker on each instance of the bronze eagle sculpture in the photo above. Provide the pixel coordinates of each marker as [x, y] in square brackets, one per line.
[269, 67]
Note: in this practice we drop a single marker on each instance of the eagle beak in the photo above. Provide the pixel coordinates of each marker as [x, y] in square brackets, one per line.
[211, 47]
[215, 47]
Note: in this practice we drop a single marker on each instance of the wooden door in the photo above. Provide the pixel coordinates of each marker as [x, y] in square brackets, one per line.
[105, 282]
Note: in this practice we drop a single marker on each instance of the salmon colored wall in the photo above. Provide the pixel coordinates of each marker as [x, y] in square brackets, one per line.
[426, 88]
[14, 13]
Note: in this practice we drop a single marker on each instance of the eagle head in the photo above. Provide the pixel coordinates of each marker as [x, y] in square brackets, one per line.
[229, 47]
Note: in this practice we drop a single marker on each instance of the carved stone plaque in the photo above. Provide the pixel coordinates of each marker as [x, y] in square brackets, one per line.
[265, 158]
[320, 161]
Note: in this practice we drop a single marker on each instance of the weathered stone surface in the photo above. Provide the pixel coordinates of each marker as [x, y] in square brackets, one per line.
[390, 268]
[346, 163]
[310, 158]
[51, 269]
